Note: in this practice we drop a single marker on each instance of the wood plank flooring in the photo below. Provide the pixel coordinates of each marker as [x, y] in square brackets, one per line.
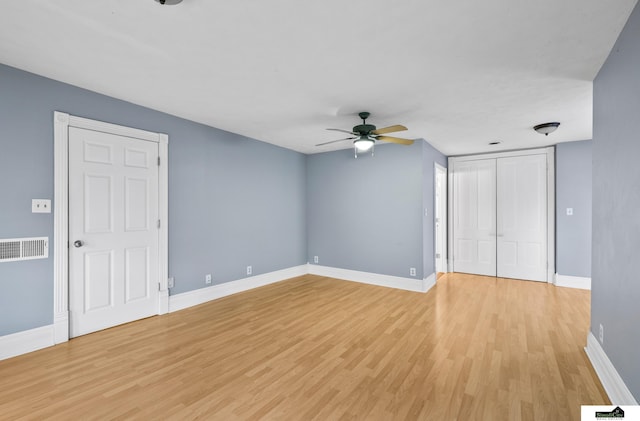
[472, 348]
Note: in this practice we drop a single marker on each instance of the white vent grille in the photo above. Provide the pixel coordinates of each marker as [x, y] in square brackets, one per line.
[14, 249]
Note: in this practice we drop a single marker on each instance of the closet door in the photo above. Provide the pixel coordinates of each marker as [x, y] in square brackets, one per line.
[522, 217]
[474, 224]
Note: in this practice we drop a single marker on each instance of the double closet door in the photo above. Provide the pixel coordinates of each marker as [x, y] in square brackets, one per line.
[501, 218]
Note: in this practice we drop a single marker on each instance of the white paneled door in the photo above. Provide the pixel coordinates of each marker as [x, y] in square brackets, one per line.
[522, 217]
[474, 221]
[113, 232]
[500, 216]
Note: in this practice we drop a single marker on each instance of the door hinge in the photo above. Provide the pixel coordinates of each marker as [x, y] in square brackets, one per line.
[158, 161]
[158, 223]
[159, 286]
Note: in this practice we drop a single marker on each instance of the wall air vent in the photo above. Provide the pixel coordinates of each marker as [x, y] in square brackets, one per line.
[14, 249]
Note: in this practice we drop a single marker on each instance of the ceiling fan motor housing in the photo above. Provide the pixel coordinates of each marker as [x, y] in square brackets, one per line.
[364, 129]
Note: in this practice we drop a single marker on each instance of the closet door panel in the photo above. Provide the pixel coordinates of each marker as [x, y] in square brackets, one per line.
[474, 217]
[522, 217]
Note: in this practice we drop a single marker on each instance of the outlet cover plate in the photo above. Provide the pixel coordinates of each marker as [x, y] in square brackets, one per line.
[40, 206]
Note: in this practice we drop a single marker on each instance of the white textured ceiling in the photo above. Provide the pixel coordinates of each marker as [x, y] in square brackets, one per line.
[459, 74]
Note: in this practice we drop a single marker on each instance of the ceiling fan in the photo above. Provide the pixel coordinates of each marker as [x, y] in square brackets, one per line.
[364, 135]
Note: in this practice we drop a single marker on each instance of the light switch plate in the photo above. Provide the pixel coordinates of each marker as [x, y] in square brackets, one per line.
[569, 211]
[40, 206]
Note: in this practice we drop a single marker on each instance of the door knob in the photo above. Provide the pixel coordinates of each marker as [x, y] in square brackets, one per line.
[78, 243]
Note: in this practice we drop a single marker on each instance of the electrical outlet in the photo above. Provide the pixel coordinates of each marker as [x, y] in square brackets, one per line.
[40, 206]
[315, 259]
[601, 334]
[569, 211]
[207, 279]
[412, 271]
[249, 270]
[171, 283]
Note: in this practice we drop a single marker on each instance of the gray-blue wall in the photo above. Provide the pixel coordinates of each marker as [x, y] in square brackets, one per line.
[573, 190]
[367, 214]
[615, 290]
[233, 201]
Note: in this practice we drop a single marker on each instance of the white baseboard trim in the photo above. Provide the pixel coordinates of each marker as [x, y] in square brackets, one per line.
[409, 284]
[429, 282]
[200, 296]
[613, 384]
[26, 341]
[573, 282]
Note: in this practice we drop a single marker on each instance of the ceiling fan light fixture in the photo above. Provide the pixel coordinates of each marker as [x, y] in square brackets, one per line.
[546, 128]
[363, 143]
[168, 2]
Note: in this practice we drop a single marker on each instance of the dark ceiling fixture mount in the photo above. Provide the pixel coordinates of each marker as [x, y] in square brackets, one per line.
[169, 2]
[495, 142]
[546, 128]
[365, 135]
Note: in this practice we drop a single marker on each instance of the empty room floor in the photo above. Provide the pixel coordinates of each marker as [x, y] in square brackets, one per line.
[472, 348]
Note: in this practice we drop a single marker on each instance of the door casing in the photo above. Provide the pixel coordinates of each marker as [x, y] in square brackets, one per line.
[441, 212]
[62, 122]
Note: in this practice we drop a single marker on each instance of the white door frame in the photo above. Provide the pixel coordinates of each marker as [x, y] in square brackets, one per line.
[444, 214]
[551, 200]
[61, 123]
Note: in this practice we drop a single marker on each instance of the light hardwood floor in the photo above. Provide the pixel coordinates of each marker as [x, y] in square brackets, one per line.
[472, 348]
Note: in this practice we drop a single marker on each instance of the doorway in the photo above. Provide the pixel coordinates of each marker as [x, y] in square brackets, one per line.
[440, 219]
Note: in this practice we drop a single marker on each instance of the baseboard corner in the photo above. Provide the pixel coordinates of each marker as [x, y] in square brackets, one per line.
[429, 282]
[572, 282]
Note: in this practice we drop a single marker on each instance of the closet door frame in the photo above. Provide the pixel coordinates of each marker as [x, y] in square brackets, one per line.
[551, 205]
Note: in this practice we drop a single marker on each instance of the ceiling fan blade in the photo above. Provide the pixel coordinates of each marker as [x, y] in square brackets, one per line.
[390, 129]
[395, 140]
[343, 131]
[334, 141]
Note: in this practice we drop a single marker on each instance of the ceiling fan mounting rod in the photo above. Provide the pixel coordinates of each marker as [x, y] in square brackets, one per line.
[364, 115]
